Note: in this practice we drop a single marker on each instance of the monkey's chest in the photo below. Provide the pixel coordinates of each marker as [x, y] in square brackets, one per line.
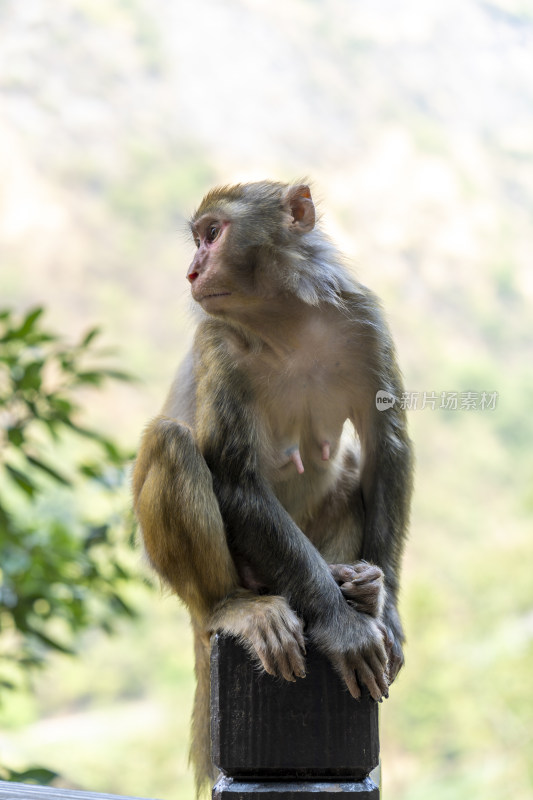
[304, 412]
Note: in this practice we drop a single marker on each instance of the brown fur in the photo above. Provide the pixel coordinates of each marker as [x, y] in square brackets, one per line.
[270, 459]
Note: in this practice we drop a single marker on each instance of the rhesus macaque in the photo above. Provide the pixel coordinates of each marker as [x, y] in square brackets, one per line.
[272, 494]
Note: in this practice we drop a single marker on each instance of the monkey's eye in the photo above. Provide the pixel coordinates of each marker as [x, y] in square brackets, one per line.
[212, 233]
[197, 242]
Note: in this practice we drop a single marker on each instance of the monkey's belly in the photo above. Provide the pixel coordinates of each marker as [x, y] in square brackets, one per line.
[304, 477]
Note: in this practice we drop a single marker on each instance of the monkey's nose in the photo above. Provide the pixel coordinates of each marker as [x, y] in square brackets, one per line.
[192, 275]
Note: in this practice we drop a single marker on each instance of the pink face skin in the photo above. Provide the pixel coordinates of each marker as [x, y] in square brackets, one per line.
[206, 273]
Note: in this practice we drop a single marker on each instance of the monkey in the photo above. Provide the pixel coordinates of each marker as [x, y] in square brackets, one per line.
[272, 493]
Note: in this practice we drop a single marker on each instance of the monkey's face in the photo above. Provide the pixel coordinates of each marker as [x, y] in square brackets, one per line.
[210, 284]
[222, 271]
[249, 248]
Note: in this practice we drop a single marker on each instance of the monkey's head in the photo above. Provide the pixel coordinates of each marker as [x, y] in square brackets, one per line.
[256, 243]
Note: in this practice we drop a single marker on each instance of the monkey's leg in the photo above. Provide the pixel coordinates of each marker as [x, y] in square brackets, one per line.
[185, 540]
[180, 519]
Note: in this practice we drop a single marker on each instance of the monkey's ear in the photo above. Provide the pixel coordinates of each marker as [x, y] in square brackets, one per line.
[301, 208]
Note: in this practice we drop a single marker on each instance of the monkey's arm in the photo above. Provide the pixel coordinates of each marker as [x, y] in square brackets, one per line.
[386, 485]
[259, 530]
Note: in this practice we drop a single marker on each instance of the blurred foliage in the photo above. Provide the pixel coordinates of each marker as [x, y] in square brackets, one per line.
[64, 568]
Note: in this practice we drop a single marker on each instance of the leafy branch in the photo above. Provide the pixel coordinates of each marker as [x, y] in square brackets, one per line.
[65, 562]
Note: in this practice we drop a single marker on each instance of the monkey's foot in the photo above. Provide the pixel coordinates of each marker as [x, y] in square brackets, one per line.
[269, 629]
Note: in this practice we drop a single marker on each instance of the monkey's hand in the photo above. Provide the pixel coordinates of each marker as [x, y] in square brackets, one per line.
[268, 628]
[362, 584]
[354, 644]
[391, 629]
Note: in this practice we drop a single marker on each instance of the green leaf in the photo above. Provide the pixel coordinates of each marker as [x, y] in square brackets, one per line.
[122, 606]
[91, 471]
[27, 325]
[96, 535]
[94, 378]
[118, 375]
[88, 432]
[53, 643]
[89, 336]
[49, 470]
[61, 405]
[22, 481]
[31, 377]
[15, 436]
[38, 775]
[31, 319]
[112, 450]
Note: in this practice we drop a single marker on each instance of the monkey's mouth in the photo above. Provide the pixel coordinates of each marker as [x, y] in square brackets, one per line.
[218, 294]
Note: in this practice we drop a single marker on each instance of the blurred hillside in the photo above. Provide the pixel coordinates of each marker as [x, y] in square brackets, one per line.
[414, 122]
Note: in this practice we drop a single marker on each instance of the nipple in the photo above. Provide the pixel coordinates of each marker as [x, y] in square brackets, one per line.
[295, 457]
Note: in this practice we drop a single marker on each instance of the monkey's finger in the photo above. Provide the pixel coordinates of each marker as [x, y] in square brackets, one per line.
[365, 582]
[266, 660]
[388, 641]
[281, 646]
[346, 573]
[364, 568]
[372, 681]
[381, 654]
[348, 675]
[277, 648]
[349, 590]
[364, 589]
[289, 662]
[380, 645]
[395, 665]
[295, 629]
[263, 647]
[380, 673]
[292, 643]
[284, 666]
[296, 661]
[299, 636]
[342, 572]
[369, 579]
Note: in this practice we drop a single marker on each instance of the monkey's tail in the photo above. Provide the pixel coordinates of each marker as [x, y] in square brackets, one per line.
[200, 751]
